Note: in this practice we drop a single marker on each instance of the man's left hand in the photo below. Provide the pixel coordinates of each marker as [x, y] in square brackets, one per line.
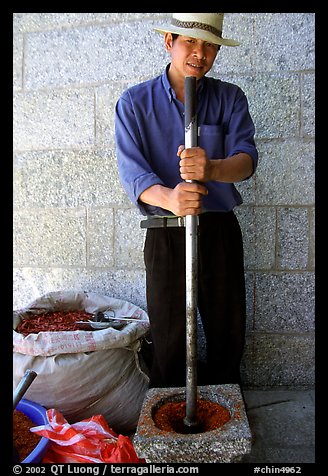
[194, 164]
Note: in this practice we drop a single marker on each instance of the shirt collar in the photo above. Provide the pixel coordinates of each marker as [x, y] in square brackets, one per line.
[170, 91]
[167, 86]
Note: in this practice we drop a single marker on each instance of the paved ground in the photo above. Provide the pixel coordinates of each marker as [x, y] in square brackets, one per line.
[283, 424]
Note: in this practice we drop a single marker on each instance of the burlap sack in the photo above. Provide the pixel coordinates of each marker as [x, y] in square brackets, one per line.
[84, 373]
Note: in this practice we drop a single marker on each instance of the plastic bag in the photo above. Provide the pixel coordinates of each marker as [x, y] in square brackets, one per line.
[87, 441]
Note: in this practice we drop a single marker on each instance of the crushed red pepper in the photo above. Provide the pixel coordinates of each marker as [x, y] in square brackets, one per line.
[209, 416]
[24, 440]
[53, 321]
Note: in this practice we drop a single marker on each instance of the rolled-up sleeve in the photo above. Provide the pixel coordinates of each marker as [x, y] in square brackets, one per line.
[241, 130]
[135, 172]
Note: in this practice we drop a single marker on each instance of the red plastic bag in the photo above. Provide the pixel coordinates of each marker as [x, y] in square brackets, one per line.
[87, 441]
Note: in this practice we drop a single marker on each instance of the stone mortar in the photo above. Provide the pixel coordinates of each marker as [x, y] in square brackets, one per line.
[227, 444]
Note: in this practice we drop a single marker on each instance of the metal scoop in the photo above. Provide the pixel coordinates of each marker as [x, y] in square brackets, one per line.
[105, 319]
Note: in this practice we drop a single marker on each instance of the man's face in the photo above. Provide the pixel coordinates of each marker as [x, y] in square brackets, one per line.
[190, 56]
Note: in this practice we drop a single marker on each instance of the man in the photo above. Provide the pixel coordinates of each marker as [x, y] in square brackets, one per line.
[154, 166]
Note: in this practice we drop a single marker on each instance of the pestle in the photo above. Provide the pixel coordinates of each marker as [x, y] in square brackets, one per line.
[191, 222]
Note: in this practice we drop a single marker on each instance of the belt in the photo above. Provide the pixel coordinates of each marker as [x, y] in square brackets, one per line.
[163, 222]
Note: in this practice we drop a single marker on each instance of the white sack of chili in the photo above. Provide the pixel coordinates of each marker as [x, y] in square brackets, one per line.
[84, 373]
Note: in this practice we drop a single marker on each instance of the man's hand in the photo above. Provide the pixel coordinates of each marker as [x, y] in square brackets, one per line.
[186, 198]
[194, 164]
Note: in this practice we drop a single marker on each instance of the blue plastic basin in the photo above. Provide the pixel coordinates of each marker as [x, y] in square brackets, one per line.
[38, 415]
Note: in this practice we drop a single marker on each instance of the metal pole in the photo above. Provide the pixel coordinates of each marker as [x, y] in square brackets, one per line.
[191, 265]
[23, 386]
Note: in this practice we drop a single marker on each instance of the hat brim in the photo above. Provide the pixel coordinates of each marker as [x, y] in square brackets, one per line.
[199, 34]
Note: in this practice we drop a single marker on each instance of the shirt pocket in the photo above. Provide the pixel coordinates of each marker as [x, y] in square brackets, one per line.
[211, 138]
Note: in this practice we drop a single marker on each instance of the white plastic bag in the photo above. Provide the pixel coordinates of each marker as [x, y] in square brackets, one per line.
[83, 373]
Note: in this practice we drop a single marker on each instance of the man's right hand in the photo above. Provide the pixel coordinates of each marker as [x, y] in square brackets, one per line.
[186, 198]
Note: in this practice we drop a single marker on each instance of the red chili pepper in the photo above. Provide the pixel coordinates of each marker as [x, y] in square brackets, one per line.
[52, 322]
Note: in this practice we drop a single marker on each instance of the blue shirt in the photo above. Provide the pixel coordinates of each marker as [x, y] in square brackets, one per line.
[149, 127]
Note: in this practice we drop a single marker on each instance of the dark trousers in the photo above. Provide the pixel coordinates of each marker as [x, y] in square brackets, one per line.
[221, 300]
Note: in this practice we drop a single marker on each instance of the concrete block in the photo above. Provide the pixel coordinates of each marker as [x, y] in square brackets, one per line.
[50, 237]
[30, 283]
[93, 53]
[312, 237]
[284, 41]
[281, 181]
[64, 178]
[293, 238]
[25, 22]
[280, 359]
[129, 238]
[308, 101]
[285, 302]
[226, 444]
[106, 98]
[247, 191]
[100, 231]
[274, 103]
[18, 43]
[258, 225]
[53, 119]
[239, 26]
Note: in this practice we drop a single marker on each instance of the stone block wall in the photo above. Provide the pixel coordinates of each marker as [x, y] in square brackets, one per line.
[74, 227]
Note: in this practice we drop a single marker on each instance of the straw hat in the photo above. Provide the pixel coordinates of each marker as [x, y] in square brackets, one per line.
[203, 26]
